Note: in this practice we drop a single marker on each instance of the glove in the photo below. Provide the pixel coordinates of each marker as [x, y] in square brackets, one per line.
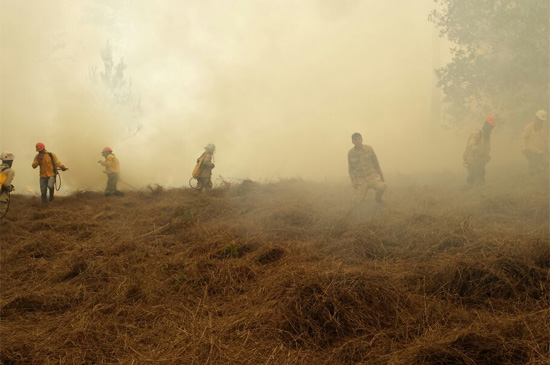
[6, 188]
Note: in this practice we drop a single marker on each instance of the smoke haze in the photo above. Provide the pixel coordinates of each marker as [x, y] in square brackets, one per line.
[279, 87]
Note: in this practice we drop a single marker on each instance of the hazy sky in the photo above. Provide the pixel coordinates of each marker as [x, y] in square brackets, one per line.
[278, 86]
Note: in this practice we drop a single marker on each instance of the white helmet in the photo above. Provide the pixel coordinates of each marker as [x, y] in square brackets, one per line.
[7, 156]
[541, 114]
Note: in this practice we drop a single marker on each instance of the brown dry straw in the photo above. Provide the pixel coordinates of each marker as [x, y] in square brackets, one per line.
[277, 274]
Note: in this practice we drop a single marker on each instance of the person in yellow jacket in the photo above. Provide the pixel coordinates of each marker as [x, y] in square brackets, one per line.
[49, 163]
[112, 169]
[535, 143]
[206, 160]
[364, 171]
[6, 177]
[478, 150]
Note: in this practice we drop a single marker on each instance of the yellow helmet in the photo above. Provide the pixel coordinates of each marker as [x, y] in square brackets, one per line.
[541, 114]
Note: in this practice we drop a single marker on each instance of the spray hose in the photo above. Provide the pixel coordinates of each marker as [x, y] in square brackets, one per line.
[58, 175]
[57, 178]
[193, 187]
[124, 182]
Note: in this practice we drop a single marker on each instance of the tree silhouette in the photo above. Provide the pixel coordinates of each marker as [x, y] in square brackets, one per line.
[118, 90]
[499, 59]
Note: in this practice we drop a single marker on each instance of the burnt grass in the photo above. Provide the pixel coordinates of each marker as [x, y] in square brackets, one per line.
[278, 273]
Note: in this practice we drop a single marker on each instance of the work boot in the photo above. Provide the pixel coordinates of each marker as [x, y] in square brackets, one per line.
[51, 195]
[44, 199]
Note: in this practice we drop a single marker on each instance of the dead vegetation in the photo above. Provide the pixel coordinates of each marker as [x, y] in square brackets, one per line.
[277, 273]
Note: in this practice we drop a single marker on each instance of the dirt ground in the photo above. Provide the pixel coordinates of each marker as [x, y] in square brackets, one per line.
[278, 273]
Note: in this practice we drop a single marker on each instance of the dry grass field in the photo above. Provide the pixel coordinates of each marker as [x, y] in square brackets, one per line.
[278, 274]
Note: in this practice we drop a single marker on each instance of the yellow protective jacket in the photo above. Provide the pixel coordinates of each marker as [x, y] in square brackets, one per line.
[535, 139]
[46, 165]
[6, 176]
[207, 165]
[478, 148]
[111, 164]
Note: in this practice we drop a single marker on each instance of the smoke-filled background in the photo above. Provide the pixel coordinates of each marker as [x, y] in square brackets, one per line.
[278, 86]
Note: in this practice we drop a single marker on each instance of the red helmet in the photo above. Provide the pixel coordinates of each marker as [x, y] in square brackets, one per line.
[40, 146]
[491, 119]
[107, 149]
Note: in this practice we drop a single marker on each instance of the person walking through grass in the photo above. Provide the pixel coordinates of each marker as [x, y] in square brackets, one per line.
[206, 164]
[478, 152]
[112, 169]
[364, 171]
[535, 143]
[49, 164]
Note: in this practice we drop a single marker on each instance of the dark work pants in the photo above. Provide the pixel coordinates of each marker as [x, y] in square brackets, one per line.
[111, 189]
[204, 183]
[476, 174]
[538, 162]
[47, 183]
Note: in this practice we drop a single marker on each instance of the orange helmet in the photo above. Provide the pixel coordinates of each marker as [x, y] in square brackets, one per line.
[491, 119]
[107, 149]
[40, 146]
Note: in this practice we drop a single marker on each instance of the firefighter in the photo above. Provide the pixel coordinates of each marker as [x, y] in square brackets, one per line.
[478, 152]
[112, 169]
[364, 171]
[49, 164]
[6, 177]
[206, 161]
[535, 143]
